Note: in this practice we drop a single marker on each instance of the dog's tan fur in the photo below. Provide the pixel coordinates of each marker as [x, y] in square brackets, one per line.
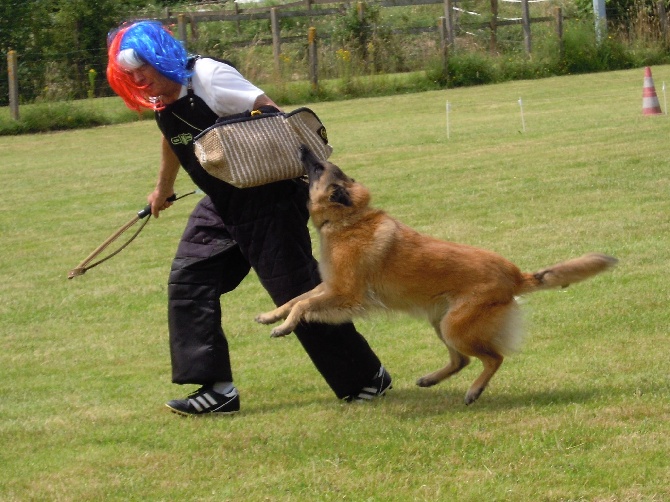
[370, 260]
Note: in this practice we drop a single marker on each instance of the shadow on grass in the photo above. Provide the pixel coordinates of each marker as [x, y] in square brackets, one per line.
[415, 401]
[426, 402]
[408, 402]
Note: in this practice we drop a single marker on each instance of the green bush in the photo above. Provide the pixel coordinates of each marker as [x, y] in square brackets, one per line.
[523, 68]
[583, 54]
[63, 115]
[471, 68]
[372, 55]
[580, 51]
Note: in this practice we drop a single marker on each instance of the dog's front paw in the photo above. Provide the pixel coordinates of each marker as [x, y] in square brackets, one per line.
[472, 395]
[279, 331]
[426, 381]
[266, 318]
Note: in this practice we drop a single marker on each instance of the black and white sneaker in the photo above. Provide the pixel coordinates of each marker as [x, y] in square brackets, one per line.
[205, 401]
[376, 388]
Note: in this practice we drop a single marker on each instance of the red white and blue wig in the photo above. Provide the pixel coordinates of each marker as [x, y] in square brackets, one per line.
[136, 44]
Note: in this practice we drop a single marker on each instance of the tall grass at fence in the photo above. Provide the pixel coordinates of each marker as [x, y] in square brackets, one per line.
[380, 40]
[72, 114]
[581, 413]
[386, 64]
[351, 77]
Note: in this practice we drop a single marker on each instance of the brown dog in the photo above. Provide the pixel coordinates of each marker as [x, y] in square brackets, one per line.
[370, 261]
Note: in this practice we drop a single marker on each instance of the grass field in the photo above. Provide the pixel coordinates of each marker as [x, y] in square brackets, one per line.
[581, 413]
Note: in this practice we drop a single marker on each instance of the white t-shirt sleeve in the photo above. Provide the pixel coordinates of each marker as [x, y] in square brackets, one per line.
[223, 88]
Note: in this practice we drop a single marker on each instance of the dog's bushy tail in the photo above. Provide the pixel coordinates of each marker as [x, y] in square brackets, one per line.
[567, 272]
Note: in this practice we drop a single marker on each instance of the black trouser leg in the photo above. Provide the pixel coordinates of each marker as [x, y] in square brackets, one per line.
[286, 268]
[208, 264]
[341, 354]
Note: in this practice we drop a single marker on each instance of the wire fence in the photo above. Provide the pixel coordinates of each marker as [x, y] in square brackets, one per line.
[239, 34]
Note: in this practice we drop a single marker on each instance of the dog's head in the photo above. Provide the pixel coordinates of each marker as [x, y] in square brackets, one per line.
[333, 196]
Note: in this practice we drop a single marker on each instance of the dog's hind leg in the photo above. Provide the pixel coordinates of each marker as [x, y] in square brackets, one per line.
[480, 331]
[491, 364]
[457, 362]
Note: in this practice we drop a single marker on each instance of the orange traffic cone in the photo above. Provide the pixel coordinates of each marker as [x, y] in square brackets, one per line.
[650, 104]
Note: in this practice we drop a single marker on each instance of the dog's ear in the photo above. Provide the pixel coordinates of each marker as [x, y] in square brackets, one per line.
[340, 196]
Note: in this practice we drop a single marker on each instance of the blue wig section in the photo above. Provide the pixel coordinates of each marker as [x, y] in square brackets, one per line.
[156, 46]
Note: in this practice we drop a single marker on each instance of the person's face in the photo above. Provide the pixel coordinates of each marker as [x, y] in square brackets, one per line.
[155, 84]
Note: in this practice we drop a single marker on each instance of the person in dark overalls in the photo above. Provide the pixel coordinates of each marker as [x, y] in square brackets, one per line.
[231, 230]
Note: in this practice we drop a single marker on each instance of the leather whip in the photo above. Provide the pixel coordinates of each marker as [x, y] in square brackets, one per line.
[141, 215]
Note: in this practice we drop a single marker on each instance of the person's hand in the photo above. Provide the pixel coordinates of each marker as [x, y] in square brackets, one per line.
[158, 200]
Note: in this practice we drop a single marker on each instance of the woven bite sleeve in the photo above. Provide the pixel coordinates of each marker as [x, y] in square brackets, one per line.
[261, 149]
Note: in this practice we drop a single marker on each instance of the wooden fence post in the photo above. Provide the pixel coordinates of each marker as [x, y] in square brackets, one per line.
[444, 44]
[13, 85]
[558, 14]
[308, 5]
[663, 19]
[525, 15]
[276, 37]
[181, 29]
[313, 63]
[194, 27]
[493, 47]
[449, 16]
[237, 21]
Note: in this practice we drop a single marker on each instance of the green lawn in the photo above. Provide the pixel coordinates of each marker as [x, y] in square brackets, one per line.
[581, 413]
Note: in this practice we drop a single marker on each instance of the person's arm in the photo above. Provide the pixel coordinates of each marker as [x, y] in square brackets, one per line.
[263, 100]
[166, 177]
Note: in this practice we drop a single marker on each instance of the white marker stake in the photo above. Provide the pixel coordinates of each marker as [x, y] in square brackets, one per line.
[448, 110]
[665, 101]
[523, 121]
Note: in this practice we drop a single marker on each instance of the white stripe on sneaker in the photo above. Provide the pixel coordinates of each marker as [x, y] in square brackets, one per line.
[195, 404]
[203, 401]
[209, 398]
[206, 401]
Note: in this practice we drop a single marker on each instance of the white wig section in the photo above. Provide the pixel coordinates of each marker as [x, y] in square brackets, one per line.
[129, 59]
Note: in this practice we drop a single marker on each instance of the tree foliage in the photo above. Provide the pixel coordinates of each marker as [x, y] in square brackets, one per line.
[61, 44]
[619, 12]
[58, 42]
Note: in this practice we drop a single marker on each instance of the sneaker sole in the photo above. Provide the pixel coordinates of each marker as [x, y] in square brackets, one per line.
[211, 413]
[382, 393]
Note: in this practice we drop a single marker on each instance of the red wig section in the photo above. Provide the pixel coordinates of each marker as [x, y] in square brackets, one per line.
[122, 82]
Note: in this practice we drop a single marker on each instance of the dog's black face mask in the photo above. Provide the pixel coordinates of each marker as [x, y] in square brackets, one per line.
[340, 195]
[315, 167]
[312, 164]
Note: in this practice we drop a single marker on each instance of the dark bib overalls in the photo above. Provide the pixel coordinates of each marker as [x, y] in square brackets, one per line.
[229, 232]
